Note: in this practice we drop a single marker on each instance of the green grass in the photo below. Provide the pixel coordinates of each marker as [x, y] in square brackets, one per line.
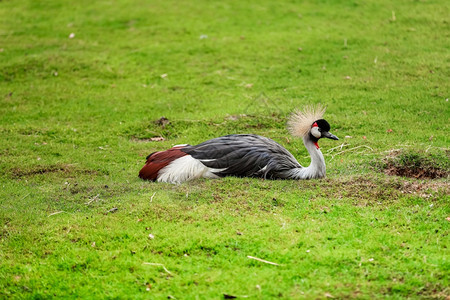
[77, 116]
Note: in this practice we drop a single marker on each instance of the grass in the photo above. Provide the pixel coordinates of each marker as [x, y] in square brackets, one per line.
[78, 114]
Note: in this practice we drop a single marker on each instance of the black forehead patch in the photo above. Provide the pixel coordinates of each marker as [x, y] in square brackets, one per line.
[323, 124]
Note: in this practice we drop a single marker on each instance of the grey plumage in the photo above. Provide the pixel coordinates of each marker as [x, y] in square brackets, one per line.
[245, 155]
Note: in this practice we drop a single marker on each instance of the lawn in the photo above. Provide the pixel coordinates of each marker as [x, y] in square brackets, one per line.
[89, 88]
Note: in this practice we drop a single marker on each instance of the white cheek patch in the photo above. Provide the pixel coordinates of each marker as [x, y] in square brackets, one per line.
[315, 132]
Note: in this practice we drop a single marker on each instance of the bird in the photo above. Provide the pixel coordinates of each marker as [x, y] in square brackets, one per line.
[244, 155]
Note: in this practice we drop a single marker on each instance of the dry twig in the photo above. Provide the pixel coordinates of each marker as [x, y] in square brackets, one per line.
[159, 265]
[351, 149]
[262, 260]
[55, 213]
[338, 147]
[92, 200]
[354, 148]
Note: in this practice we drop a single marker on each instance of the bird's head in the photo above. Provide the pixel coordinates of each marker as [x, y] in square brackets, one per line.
[309, 123]
[320, 129]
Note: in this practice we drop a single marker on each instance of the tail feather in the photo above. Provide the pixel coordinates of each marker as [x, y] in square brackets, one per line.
[158, 160]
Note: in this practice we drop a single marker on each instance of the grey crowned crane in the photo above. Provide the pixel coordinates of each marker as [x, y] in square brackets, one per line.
[244, 155]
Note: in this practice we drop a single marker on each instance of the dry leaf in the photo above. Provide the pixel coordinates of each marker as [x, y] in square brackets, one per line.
[157, 139]
[113, 210]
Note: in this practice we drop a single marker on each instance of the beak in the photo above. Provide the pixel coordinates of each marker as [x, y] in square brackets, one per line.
[329, 135]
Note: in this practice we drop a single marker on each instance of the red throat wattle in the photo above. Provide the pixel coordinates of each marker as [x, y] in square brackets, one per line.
[315, 143]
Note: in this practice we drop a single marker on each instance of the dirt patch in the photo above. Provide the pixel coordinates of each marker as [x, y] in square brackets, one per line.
[18, 173]
[147, 140]
[172, 129]
[362, 189]
[374, 190]
[163, 121]
[416, 165]
[424, 189]
[415, 172]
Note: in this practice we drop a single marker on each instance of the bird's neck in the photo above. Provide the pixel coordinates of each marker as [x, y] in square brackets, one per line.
[317, 168]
